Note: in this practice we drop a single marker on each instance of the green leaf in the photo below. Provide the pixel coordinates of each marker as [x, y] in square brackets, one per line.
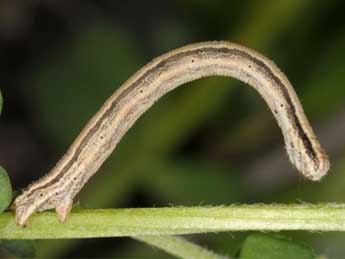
[5, 190]
[20, 248]
[266, 247]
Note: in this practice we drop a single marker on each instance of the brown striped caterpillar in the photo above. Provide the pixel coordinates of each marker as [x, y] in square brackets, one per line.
[102, 133]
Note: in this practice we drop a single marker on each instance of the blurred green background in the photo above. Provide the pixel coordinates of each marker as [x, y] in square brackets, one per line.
[210, 142]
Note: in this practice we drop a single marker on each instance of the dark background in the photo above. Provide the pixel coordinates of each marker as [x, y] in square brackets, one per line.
[210, 142]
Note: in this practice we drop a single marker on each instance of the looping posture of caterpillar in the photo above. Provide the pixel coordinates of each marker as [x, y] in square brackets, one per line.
[102, 133]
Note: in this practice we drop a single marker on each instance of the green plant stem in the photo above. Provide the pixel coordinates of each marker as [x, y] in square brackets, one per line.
[179, 220]
[179, 247]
